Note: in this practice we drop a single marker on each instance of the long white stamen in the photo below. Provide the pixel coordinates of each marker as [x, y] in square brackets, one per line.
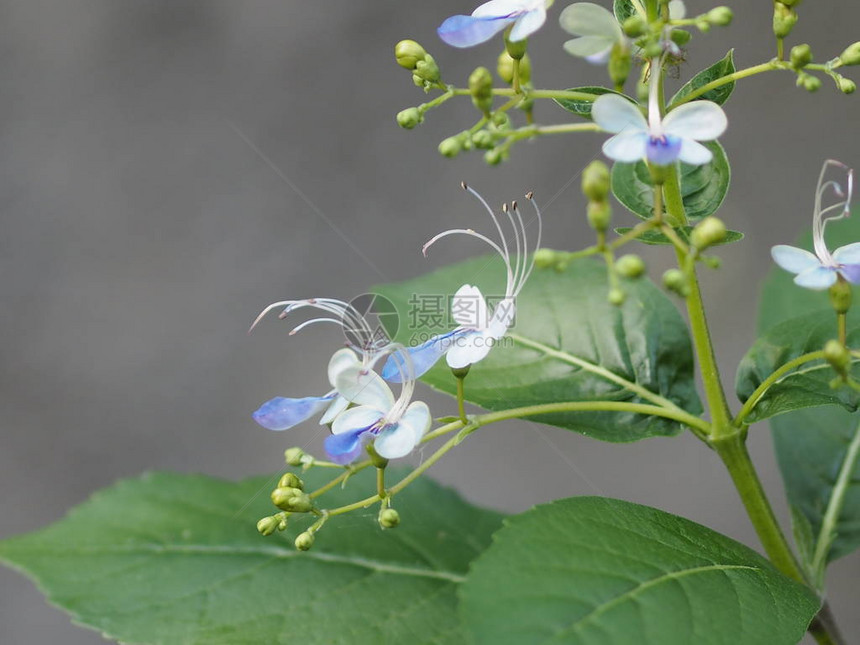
[406, 370]
[655, 123]
[465, 231]
[820, 215]
[530, 197]
[518, 267]
[507, 251]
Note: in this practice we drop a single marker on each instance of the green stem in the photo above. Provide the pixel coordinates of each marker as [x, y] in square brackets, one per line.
[532, 94]
[842, 322]
[380, 483]
[765, 385]
[340, 478]
[729, 78]
[461, 400]
[632, 234]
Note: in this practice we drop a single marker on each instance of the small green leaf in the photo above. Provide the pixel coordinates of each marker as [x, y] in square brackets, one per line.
[718, 95]
[657, 238]
[172, 558]
[583, 108]
[703, 188]
[623, 9]
[808, 385]
[567, 344]
[597, 571]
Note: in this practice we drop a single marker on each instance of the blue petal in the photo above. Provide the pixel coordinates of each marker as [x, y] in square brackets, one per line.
[282, 413]
[345, 447]
[424, 356]
[467, 31]
[663, 150]
[817, 278]
[851, 272]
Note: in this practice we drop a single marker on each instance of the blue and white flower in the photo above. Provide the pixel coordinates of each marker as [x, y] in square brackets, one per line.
[395, 426]
[526, 16]
[479, 329]
[823, 269]
[597, 28]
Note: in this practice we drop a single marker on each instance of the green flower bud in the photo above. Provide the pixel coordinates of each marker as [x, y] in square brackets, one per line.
[616, 297]
[483, 140]
[599, 215]
[282, 497]
[289, 480]
[680, 37]
[630, 266]
[810, 83]
[505, 68]
[408, 53]
[784, 19]
[517, 48]
[427, 69]
[791, 3]
[282, 521]
[389, 518]
[675, 280]
[409, 118]
[708, 232]
[838, 356]
[545, 258]
[800, 56]
[634, 26]
[840, 296]
[450, 147]
[595, 181]
[481, 83]
[703, 25]
[267, 525]
[494, 157]
[851, 55]
[846, 85]
[293, 456]
[305, 541]
[652, 50]
[620, 63]
[501, 120]
[720, 16]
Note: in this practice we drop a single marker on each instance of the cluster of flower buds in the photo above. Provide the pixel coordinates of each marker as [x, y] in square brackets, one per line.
[595, 187]
[784, 17]
[412, 56]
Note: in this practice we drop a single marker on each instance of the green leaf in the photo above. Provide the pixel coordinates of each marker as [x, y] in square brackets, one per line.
[597, 571]
[567, 344]
[623, 10]
[718, 95]
[583, 108]
[656, 237]
[170, 558]
[703, 188]
[812, 445]
[808, 385]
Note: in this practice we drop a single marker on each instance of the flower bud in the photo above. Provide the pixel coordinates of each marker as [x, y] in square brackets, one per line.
[408, 53]
[791, 3]
[708, 232]
[494, 157]
[630, 266]
[616, 297]
[516, 49]
[674, 280]
[784, 19]
[501, 120]
[595, 181]
[703, 25]
[450, 147]
[545, 258]
[389, 518]
[409, 118]
[268, 525]
[810, 83]
[427, 69]
[634, 26]
[840, 296]
[838, 356]
[304, 541]
[851, 55]
[800, 56]
[483, 140]
[282, 521]
[293, 456]
[505, 68]
[846, 85]
[652, 50]
[289, 480]
[599, 215]
[720, 16]
[680, 37]
[620, 63]
[283, 496]
[481, 88]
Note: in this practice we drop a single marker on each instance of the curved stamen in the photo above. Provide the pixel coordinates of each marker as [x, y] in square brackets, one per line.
[518, 232]
[406, 369]
[819, 217]
[530, 197]
[465, 231]
[477, 195]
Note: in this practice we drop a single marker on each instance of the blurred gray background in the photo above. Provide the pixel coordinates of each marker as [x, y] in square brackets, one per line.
[169, 167]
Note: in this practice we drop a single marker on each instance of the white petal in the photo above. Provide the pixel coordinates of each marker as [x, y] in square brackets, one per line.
[589, 19]
[364, 387]
[399, 439]
[817, 278]
[468, 307]
[794, 259]
[503, 316]
[848, 254]
[694, 153]
[677, 10]
[699, 120]
[356, 419]
[341, 360]
[337, 406]
[614, 113]
[627, 146]
[528, 24]
[468, 349]
[503, 8]
[589, 46]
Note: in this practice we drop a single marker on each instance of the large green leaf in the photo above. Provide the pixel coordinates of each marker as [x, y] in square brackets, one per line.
[580, 107]
[623, 9]
[813, 446]
[809, 384]
[176, 559]
[718, 95]
[703, 188]
[567, 344]
[597, 571]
